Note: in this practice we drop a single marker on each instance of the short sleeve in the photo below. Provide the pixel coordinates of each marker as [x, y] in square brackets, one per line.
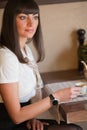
[9, 67]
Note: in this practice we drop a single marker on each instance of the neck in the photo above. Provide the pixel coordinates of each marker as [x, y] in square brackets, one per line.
[22, 43]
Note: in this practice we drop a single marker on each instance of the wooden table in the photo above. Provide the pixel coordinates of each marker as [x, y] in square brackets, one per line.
[73, 111]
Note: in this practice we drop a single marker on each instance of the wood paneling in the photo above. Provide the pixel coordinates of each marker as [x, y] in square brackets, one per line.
[3, 3]
[59, 76]
[43, 2]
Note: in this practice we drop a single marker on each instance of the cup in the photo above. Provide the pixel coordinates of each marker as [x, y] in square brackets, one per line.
[83, 86]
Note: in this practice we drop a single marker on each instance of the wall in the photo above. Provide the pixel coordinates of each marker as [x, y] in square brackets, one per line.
[59, 25]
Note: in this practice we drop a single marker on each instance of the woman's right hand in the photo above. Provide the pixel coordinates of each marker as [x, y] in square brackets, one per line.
[35, 124]
[67, 93]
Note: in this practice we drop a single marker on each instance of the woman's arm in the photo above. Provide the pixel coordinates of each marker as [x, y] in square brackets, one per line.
[9, 93]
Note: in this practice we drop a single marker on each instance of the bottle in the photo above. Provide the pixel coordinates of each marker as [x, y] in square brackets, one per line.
[81, 39]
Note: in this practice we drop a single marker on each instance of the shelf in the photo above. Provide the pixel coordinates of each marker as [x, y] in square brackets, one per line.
[43, 2]
[59, 76]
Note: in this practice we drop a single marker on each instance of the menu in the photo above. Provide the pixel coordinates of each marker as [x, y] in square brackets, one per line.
[52, 87]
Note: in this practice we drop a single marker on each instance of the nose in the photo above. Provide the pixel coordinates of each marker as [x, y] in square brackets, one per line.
[29, 21]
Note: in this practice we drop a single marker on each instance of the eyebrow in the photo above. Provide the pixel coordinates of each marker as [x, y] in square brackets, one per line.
[28, 13]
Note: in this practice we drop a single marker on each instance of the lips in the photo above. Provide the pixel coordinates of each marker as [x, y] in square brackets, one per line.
[29, 30]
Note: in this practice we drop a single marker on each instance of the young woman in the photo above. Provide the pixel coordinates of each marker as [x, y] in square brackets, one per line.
[19, 76]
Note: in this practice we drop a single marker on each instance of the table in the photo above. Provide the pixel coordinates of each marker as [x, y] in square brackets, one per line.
[72, 111]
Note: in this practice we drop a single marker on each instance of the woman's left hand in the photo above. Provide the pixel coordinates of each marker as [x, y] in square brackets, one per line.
[36, 124]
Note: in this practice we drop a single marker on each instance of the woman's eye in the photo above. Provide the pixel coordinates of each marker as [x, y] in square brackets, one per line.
[36, 17]
[22, 17]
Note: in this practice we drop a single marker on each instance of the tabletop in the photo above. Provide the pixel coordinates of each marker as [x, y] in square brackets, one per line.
[73, 111]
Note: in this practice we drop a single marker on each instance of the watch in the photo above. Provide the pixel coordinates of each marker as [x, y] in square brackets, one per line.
[53, 100]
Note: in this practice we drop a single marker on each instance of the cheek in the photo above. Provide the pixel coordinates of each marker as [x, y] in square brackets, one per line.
[36, 25]
[20, 27]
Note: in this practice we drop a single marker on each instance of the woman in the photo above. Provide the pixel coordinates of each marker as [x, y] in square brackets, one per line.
[19, 76]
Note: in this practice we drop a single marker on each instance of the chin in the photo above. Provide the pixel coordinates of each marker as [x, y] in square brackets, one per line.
[30, 36]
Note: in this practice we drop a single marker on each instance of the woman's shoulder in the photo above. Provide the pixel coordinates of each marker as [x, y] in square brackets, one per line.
[6, 54]
[9, 66]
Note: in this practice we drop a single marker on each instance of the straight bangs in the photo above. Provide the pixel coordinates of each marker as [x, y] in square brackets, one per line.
[27, 7]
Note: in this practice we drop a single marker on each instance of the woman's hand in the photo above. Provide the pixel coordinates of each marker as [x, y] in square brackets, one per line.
[36, 124]
[67, 93]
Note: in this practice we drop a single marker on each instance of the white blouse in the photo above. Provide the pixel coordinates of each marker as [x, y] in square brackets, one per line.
[11, 70]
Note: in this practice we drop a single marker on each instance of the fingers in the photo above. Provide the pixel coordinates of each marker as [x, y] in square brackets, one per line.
[67, 93]
[40, 125]
[28, 125]
[36, 124]
[75, 91]
[45, 123]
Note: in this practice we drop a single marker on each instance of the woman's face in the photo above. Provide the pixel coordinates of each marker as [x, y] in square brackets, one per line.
[26, 25]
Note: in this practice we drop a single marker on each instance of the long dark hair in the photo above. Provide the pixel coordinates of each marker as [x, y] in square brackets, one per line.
[9, 36]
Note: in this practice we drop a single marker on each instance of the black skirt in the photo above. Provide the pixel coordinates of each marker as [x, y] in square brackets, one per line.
[5, 121]
[7, 124]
